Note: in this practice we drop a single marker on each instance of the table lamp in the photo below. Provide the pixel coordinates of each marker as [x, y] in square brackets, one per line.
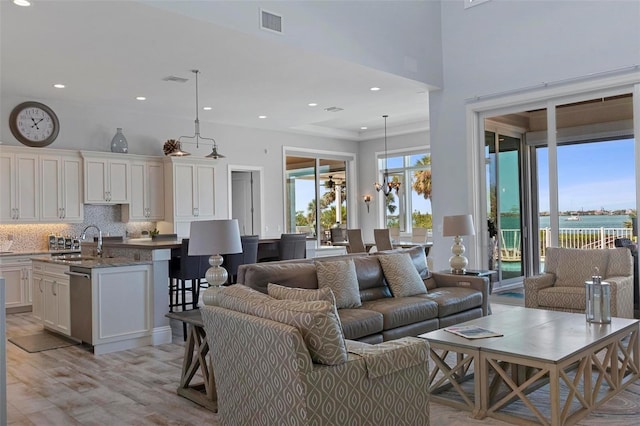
[456, 226]
[215, 237]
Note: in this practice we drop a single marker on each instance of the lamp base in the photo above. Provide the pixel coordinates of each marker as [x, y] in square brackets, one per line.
[216, 275]
[458, 262]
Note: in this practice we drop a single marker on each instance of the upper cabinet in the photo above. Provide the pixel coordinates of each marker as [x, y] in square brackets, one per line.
[106, 178]
[147, 192]
[189, 193]
[19, 186]
[61, 183]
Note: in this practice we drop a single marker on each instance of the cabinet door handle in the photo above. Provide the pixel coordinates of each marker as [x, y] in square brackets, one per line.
[40, 285]
[53, 288]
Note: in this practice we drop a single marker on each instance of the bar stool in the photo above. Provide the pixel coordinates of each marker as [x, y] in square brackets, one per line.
[184, 268]
[249, 255]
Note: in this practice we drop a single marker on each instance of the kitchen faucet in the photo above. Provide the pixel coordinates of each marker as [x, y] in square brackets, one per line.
[99, 247]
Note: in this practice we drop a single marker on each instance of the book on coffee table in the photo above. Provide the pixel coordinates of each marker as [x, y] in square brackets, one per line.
[472, 332]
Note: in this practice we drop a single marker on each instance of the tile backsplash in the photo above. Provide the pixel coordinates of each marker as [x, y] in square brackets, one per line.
[34, 236]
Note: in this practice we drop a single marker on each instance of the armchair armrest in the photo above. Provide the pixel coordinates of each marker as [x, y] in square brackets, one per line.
[350, 394]
[534, 284]
[621, 296]
[391, 356]
[481, 284]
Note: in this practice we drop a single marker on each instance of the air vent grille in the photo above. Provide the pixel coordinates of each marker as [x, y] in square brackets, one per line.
[175, 79]
[334, 109]
[270, 21]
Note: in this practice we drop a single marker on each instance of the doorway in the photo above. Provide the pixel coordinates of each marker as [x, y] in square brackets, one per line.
[245, 198]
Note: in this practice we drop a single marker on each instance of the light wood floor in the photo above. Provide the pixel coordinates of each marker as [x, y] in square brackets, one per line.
[71, 386]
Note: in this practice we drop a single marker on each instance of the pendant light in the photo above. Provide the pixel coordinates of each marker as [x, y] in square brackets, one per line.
[214, 153]
[387, 184]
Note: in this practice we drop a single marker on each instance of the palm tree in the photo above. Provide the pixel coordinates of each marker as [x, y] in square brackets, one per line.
[422, 181]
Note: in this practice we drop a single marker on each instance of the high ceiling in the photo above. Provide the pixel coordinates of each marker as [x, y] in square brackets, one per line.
[109, 52]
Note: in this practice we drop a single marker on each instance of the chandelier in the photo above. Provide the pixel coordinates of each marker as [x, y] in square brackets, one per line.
[214, 152]
[387, 184]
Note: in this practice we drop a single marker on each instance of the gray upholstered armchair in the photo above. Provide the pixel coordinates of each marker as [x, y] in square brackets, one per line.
[266, 371]
[561, 287]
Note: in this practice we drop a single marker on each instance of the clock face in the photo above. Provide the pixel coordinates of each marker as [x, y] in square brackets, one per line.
[34, 124]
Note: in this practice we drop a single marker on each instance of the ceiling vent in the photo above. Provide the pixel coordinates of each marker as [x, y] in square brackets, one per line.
[175, 79]
[333, 109]
[270, 21]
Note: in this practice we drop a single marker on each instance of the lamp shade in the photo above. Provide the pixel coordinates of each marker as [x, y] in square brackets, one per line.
[209, 237]
[458, 225]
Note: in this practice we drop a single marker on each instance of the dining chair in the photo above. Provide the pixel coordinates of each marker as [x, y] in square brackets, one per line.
[249, 255]
[338, 235]
[394, 233]
[356, 245]
[419, 235]
[382, 238]
[292, 246]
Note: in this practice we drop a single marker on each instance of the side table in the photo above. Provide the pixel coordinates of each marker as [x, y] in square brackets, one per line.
[196, 357]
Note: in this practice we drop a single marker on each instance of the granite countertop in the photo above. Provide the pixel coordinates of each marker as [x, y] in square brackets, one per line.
[90, 261]
[141, 243]
[37, 252]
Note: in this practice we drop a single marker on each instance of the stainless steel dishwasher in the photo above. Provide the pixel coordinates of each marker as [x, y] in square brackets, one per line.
[80, 303]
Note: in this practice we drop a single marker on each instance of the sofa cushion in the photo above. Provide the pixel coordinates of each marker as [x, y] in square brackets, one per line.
[359, 322]
[341, 278]
[575, 266]
[451, 300]
[402, 276]
[397, 312]
[418, 257]
[371, 278]
[563, 298]
[300, 275]
[316, 321]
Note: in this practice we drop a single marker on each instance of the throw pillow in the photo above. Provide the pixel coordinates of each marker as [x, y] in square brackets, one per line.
[281, 292]
[341, 278]
[317, 321]
[401, 274]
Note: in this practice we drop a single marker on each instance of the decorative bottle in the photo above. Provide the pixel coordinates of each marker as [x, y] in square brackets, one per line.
[119, 142]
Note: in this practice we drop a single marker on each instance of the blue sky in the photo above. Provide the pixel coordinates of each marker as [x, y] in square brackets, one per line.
[591, 176]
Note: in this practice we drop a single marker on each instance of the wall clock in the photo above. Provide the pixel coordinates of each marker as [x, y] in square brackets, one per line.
[34, 124]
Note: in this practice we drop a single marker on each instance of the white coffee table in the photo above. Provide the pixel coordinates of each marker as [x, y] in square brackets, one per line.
[573, 366]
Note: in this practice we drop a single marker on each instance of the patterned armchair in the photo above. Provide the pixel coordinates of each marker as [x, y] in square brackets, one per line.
[561, 287]
[266, 369]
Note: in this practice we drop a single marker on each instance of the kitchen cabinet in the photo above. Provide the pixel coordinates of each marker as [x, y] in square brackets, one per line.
[189, 193]
[17, 271]
[37, 291]
[106, 178]
[19, 186]
[61, 183]
[51, 296]
[147, 192]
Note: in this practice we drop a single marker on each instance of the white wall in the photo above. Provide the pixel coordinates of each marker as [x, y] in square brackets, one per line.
[401, 38]
[499, 46]
[92, 129]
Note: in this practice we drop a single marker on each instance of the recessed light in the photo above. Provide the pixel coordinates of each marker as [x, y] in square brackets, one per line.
[23, 3]
[312, 104]
[207, 108]
[363, 128]
[262, 116]
[59, 86]
[374, 89]
[141, 98]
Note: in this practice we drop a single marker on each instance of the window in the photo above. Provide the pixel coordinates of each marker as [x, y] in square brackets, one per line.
[411, 206]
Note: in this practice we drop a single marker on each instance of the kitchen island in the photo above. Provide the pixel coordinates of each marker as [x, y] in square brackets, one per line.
[103, 302]
[158, 253]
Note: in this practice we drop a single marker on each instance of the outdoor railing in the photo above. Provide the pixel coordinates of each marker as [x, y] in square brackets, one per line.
[582, 238]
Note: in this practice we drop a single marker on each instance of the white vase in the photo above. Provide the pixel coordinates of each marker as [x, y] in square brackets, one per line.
[119, 142]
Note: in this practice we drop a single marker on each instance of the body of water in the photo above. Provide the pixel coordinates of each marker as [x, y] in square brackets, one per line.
[595, 221]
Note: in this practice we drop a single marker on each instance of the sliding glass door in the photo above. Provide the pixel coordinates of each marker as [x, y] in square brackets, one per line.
[316, 196]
